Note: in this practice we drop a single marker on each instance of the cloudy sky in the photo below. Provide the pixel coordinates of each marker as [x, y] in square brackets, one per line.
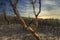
[49, 8]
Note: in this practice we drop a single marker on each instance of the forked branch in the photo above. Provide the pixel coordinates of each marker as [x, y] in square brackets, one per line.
[39, 8]
[36, 14]
[23, 22]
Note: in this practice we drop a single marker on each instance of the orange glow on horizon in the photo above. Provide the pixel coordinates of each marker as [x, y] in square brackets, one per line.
[48, 17]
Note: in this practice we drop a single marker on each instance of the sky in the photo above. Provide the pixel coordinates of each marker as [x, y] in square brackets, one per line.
[49, 8]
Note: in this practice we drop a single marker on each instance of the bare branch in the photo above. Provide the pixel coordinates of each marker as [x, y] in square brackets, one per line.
[24, 24]
[30, 22]
[14, 2]
[36, 20]
[5, 17]
[36, 15]
[39, 8]
[4, 11]
[33, 4]
[33, 1]
[17, 13]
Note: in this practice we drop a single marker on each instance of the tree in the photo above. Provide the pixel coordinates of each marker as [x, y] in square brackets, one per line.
[36, 14]
[13, 4]
[4, 12]
[5, 16]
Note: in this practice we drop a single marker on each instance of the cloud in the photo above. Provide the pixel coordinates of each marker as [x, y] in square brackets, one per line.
[25, 8]
[50, 14]
[50, 4]
[50, 8]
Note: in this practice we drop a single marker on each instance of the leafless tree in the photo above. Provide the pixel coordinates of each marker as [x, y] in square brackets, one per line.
[34, 11]
[36, 35]
[4, 12]
[5, 16]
